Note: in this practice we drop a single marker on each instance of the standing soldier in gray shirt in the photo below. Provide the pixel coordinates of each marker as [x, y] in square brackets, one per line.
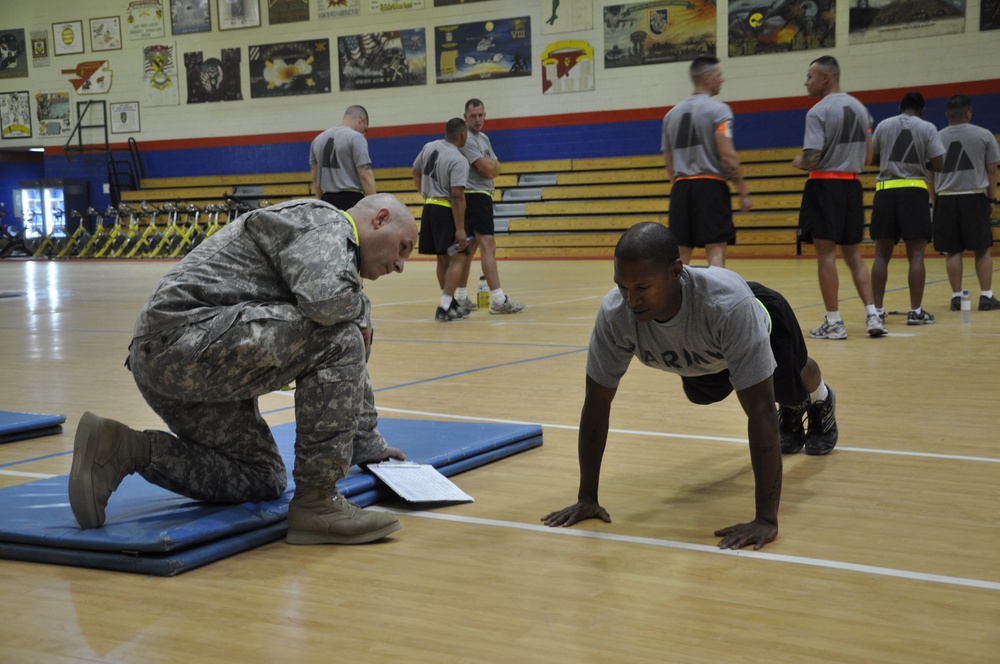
[440, 173]
[483, 167]
[699, 156]
[966, 195]
[903, 146]
[837, 146]
[274, 297]
[341, 168]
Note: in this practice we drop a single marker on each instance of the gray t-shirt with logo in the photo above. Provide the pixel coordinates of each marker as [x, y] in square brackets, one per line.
[442, 167]
[689, 135]
[968, 150]
[338, 152]
[838, 126]
[905, 143]
[720, 325]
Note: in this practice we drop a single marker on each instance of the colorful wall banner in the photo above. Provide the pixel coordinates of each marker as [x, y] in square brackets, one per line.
[40, 48]
[779, 26]
[52, 110]
[290, 68]
[886, 20]
[647, 33]
[15, 115]
[159, 75]
[189, 16]
[382, 59]
[339, 8]
[567, 66]
[67, 38]
[13, 54]
[92, 78]
[483, 50]
[105, 33]
[213, 79]
[236, 14]
[287, 11]
[144, 19]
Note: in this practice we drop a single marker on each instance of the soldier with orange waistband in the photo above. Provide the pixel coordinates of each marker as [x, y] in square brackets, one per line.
[699, 156]
[836, 148]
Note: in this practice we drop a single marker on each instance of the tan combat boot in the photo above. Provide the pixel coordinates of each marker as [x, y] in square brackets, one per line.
[104, 453]
[317, 517]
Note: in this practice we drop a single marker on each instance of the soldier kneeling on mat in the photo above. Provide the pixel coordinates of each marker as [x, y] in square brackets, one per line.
[720, 334]
[273, 297]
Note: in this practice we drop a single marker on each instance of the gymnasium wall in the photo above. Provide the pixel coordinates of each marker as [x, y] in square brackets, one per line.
[620, 117]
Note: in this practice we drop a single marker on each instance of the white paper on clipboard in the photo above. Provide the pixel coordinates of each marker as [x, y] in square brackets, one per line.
[418, 482]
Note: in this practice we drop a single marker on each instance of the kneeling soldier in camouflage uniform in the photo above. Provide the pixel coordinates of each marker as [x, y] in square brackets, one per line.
[274, 297]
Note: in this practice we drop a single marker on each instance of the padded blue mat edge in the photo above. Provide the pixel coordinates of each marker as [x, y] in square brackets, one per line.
[15, 425]
[153, 531]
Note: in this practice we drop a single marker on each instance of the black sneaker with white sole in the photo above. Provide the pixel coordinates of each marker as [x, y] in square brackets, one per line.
[444, 315]
[791, 429]
[822, 435]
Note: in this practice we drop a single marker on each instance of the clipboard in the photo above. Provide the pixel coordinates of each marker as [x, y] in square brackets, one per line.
[418, 482]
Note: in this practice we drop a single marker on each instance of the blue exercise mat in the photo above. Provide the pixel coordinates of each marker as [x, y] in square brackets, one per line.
[151, 530]
[19, 426]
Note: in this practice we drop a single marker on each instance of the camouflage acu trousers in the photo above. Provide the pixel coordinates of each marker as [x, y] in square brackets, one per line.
[204, 380]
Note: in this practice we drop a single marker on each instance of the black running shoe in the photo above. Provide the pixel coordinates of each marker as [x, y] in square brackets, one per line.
[444, 315]
[822, 435]
[989, 303]
[956, 303]
[791, 429]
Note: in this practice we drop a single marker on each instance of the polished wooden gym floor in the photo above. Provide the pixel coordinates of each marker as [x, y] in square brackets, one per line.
[889, 548]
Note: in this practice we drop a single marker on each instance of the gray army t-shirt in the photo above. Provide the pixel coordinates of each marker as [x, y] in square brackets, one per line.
[968, 149]
[442, 167]
[689, 135]
[905, 143]
[337, 153]
[720, 326]
[838, 126]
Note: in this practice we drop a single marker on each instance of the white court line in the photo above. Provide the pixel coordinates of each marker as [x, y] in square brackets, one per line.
[660, 434]
[21, 473]
[704, 548]
[797, 560]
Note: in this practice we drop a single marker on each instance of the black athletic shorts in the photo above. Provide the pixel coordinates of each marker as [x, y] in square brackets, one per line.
[901, 214]
[962, 223]
[343, 200]
[832, 210]
[478, 214]
[701, 212]
[790, 354]
[437, 229]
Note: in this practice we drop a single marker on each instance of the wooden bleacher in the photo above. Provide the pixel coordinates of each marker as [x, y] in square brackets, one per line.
[556, 208]
[588, 204]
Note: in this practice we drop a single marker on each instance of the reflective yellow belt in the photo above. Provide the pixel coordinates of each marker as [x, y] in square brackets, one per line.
[896, 184]
[437, 201]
